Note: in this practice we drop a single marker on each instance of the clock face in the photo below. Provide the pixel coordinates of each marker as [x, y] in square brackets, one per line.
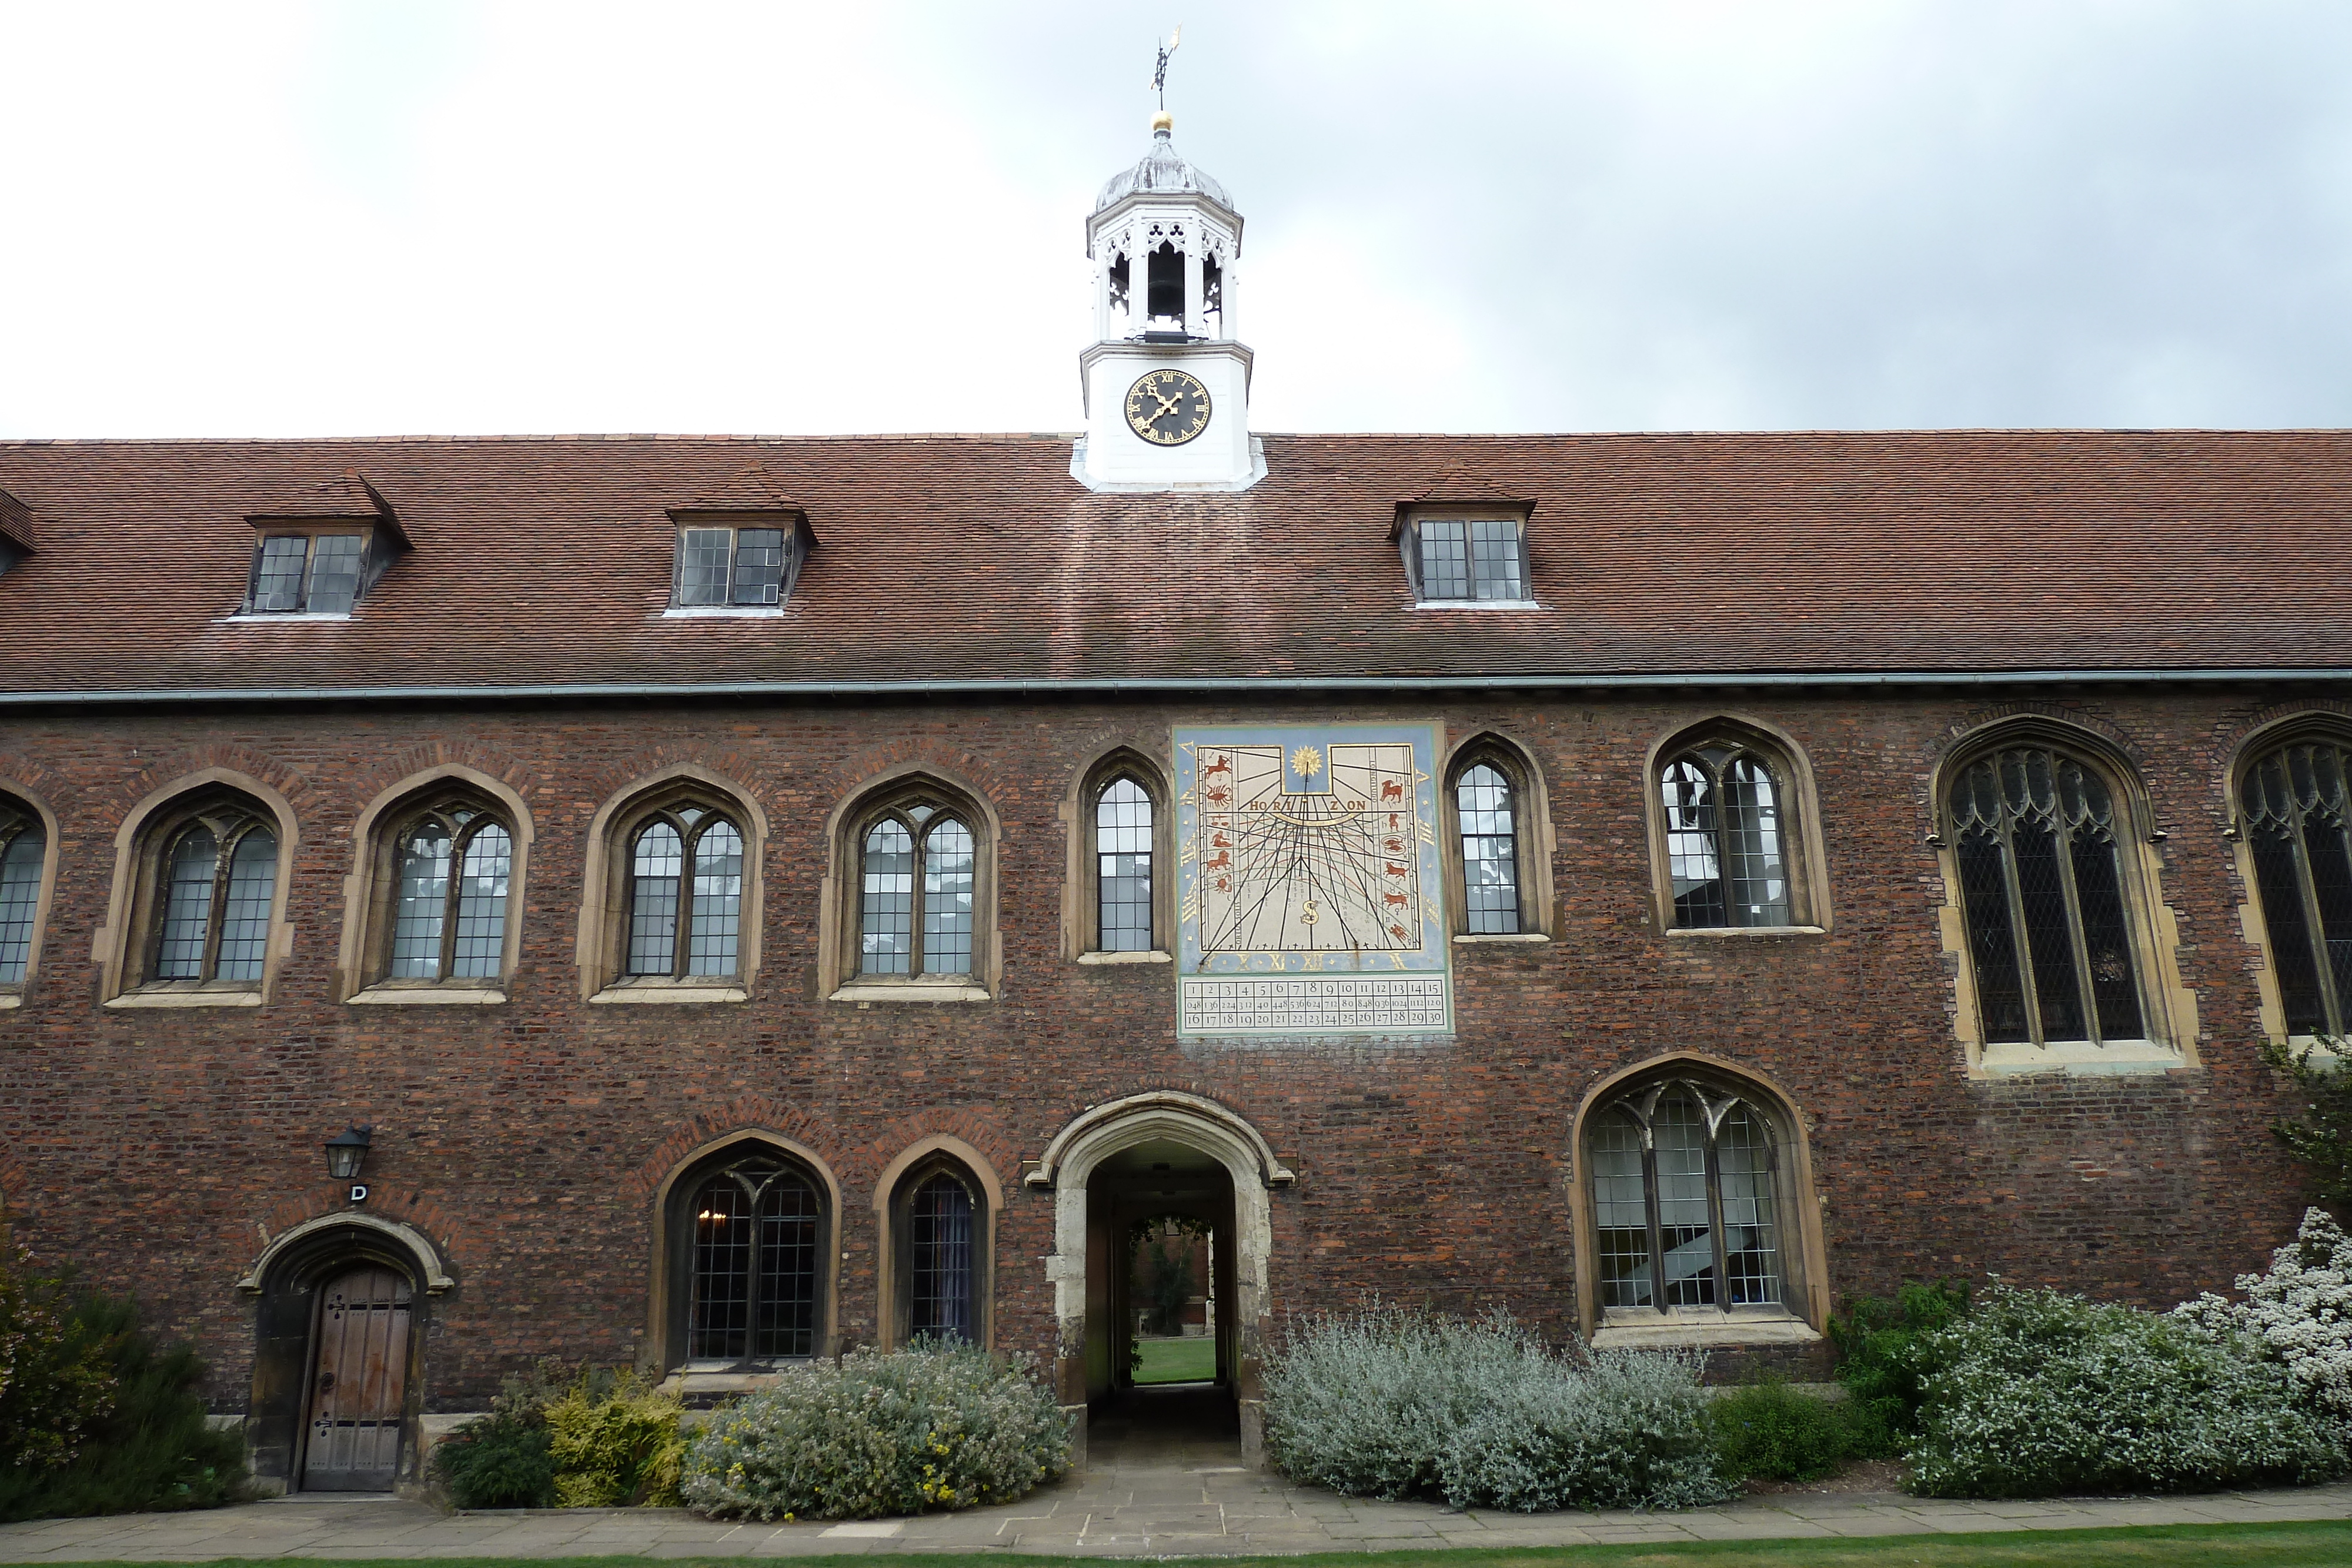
[1167, 408]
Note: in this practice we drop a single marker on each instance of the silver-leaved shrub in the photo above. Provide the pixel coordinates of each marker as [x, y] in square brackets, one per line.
[1388, 1403]
[2037, 1393]
[910, 1432]
[2299, 1313]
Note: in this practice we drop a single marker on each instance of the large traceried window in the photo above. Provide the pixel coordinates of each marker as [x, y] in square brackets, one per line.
[754, 1240]
[1123, 868]
[2038, 836]
[1726, 830]
[23, 846]
[1687, 1203]
[1487, 812]
[2297, 821]
[216, 882]
[452, 866]
[685, 900]
[917, 873]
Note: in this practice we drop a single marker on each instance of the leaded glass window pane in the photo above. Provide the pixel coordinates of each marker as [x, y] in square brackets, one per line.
[278, 578]
[885, 918]
[423, 904]
[1621, 1211]
[656, 862]
[758, 566]
[188, 906]
[1490, 860]
[946, 899]
[1686, 1234]
[1724, 826]
[334, 573]
[480, 950]
[1495, 559]
[942, 1222]
[1694, 859]
[702, 562]
[710, 943]
[245, 914]
[1123, 867]
[718, 1307]
[20, 887]
[1757, 878]
[2041, 893]
[1444, 561]
[1751, 1212]
[785, 1321]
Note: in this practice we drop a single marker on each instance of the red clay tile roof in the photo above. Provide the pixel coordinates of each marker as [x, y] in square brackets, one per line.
[547, 561]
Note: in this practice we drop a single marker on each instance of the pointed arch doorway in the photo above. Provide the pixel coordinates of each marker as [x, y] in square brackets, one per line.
[1136, 1159]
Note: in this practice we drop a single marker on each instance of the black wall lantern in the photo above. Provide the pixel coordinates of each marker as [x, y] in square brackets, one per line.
[347, 1151]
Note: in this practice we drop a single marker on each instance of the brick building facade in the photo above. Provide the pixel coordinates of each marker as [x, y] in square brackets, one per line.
[963, 635]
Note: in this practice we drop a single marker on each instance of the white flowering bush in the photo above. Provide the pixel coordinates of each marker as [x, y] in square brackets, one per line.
[2300, 1314]
[910, 1432]
[1384, 1403]
[2036, 1393]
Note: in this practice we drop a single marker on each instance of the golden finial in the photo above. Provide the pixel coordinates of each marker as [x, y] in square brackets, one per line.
[1162, 121]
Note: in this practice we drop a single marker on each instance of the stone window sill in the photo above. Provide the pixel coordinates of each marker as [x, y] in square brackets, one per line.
[1714, 1330]
[635, 991]
[11, 999]
[186, 999]
[425, 996]
[723, 613]
[958, 988]
[2320, 1055]
[1153, 956]
[1472, 938]
[2079, 1059]
[269, 617]
[1476, 604]
[692, 1383]
[1702, 932]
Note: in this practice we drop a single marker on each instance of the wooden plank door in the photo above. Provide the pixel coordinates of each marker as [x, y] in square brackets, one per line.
[358, 1383]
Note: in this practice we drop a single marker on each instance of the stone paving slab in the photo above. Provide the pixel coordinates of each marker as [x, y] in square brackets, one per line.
[1137, 1509]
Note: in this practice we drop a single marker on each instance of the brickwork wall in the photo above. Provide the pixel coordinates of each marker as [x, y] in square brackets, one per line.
[159, 1148]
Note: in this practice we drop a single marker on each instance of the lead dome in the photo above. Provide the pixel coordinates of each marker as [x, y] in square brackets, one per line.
[1161, 172]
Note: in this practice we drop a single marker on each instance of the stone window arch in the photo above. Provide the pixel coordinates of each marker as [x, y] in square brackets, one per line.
[674, 894]
[917, 914]
[1734, 834]
[750, 1233]
[1497, 847]
[1694, 1189]
[208, 868]
[1120, 908]
[2293, 823]
[27, 872]
[441, 894]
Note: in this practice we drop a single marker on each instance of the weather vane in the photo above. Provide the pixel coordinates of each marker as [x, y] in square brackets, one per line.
[1159, 71]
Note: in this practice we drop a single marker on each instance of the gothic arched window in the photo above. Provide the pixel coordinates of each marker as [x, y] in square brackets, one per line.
[1123, 868]
[685, 899]
[1687, 1202]
[752, 1257]
[1487, 812]
[943, 1228]
[217, 881]
[2297, 821]
[23, 846]
[1725, 820]
[452, 866]
[2037, 836]
[916, 876]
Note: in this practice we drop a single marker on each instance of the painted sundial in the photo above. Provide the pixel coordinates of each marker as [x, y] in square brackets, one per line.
[1308, 882]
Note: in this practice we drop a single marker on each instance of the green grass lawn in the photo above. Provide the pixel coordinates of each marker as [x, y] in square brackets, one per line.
[2325, 1543]
[1177, 1361]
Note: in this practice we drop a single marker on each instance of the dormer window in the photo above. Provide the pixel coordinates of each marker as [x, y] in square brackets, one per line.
[744, 563]
[307, 574]
[1452, 559]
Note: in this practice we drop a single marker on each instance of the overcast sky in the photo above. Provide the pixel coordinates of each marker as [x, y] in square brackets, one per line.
[370, 219]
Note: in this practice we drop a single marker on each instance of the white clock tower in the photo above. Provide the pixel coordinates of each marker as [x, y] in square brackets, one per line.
[1167, 386]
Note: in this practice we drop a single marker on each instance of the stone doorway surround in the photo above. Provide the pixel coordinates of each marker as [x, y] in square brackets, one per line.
[1083, 1239]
